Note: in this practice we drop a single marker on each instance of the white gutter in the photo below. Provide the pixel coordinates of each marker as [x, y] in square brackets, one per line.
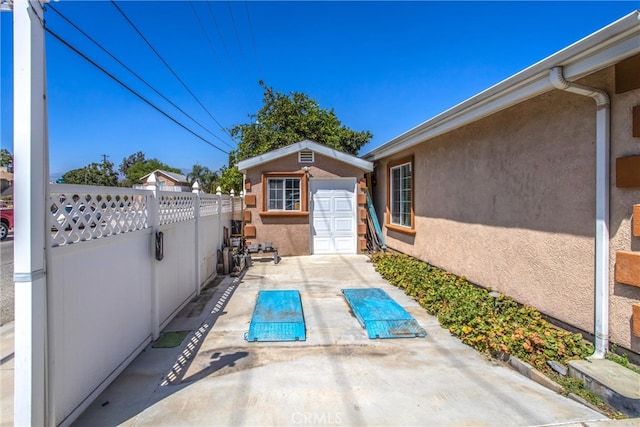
[602, 205]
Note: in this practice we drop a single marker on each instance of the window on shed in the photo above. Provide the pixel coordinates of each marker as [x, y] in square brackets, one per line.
[283, 194]
[305, 156]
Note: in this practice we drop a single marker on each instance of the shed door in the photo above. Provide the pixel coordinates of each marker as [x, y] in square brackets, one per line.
[333, 212]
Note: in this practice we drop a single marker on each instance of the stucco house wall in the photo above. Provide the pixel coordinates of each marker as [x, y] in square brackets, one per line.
[509, 202]
[289, 232]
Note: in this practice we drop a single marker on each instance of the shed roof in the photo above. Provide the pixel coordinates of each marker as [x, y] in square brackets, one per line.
[306, 144]
[603, 48]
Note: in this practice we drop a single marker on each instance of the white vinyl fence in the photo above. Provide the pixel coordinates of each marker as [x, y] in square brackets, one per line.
[113, 283]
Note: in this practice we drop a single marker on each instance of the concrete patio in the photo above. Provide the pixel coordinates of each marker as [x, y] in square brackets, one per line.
[338, 376]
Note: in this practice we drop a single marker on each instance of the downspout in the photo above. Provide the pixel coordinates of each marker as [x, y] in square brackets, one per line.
[602, 205]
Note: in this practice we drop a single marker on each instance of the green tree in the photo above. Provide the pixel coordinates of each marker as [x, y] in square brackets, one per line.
[286, 119]
[93, 174]
[127, 162]
[198, 172]
[229, 179]
[208, 183]
[143, 167]
[6, 159]
[205, 177]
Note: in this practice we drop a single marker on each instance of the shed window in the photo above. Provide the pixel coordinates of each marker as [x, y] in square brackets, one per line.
[283, 194]
[400, 195]
[305, 156]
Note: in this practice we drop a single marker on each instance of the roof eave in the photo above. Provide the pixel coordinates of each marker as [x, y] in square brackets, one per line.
[599, 50]
[306, 144]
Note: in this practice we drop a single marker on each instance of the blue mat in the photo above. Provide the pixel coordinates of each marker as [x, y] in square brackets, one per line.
[380, 315]
[277, 316]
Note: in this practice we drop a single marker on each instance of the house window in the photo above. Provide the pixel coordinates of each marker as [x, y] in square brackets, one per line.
[400, 195]
[283, 194]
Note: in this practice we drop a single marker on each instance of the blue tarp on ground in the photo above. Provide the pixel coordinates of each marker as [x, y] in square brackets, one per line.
[277, 316]
[381, 315]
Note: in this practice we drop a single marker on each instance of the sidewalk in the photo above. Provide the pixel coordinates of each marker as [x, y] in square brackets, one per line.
[6, 374]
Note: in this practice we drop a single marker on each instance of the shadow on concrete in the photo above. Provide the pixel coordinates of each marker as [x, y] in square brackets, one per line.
[137, 388]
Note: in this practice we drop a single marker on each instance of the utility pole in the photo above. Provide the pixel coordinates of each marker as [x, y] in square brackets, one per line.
[104, 159]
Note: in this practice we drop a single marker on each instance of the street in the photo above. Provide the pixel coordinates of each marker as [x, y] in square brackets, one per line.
[7, 313]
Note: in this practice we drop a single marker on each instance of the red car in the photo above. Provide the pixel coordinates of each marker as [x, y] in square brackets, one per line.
[6, 222]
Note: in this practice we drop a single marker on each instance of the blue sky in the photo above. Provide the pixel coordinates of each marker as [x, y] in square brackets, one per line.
[382, 66]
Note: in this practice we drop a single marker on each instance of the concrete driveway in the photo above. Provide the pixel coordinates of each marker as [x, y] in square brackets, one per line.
[337, 376]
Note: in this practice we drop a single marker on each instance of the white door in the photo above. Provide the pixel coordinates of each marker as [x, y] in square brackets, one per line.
[333, 216]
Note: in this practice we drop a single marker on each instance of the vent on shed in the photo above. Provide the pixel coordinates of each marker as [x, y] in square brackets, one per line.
[305, 156]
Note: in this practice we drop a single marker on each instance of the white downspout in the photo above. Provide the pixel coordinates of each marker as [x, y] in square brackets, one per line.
[602, 205]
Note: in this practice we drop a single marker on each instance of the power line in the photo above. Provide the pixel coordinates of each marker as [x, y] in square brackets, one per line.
[235, 30]
[225, 48]
[224, 45]
[215, 52]
[213, 49]
[131, 90]
[168, 66]
[136, 75]
[253, 39]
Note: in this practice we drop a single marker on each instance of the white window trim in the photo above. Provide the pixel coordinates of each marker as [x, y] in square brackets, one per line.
[391, 190]
[268, 195]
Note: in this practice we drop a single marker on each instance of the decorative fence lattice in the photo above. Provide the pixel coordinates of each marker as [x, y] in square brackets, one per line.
[175, 207]
[238, 203]
[209, 204]
[80, 213]
[227, 205]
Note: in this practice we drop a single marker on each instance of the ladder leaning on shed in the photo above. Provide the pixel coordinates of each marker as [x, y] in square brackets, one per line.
[375, 238]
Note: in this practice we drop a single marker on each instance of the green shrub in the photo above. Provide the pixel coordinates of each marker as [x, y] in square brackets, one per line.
[622, 360]
[495, 326]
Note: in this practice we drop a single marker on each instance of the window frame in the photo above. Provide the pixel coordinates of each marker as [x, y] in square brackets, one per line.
[389, 224]
[266, 177]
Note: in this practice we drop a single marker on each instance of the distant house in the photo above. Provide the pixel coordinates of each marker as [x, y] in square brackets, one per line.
[305, 198]
[166, 181]
[532, 187]
[6, 183]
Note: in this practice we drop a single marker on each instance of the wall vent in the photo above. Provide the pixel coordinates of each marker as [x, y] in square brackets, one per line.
[305, 156]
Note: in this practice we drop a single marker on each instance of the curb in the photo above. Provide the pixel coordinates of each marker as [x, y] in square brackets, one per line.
[535, 375]
[613, 383]
[7, 328]
[579, 399]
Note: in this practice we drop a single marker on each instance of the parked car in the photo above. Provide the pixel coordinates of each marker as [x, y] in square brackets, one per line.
[6, 222]
[60, 217]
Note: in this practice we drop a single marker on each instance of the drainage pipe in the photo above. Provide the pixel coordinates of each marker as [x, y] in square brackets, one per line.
[602, 205]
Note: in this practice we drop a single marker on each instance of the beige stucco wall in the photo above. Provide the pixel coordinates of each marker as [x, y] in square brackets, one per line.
[509, 202]
[291, 234]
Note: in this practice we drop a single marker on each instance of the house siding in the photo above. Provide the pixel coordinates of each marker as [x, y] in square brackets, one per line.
[509, 202]
[291, 235]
